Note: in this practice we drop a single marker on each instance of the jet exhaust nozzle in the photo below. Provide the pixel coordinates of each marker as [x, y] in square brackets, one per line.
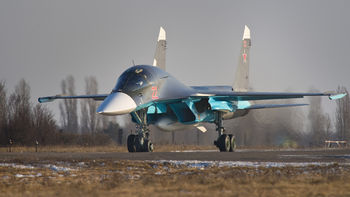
[117, 104]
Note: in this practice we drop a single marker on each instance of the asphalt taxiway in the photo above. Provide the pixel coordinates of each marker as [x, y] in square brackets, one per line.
[321, 155]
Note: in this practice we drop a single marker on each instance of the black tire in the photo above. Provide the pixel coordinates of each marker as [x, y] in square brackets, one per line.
[232, 143]
[224, 143]
[131, 143]
[148, 146]
[140, 144]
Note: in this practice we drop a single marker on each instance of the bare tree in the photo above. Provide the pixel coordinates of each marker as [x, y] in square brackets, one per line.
[84, 117]
[20, 125]
[342, 115]
[105, 121]
[19, 121]
[92, 88]
[328, 128]
[44, 125]
[68, 107]
[317, 121]
[89, 119]
[3, 112]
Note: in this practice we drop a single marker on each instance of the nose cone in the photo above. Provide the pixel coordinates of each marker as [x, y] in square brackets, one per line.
[117, 104]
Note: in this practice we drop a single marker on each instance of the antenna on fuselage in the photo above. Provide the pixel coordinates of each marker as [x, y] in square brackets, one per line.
[133, 62]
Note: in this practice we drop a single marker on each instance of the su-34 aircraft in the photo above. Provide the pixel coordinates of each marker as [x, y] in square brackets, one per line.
[152, 96]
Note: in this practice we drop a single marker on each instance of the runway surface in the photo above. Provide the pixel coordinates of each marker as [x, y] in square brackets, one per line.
[302, 156]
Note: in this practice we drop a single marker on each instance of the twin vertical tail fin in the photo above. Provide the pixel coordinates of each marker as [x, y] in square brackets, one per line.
[159, 56]
[241, 83]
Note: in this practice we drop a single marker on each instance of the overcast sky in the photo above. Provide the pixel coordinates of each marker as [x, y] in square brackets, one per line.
[296, 45]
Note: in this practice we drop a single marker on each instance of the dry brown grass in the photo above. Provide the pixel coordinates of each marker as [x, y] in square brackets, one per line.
[135, 178]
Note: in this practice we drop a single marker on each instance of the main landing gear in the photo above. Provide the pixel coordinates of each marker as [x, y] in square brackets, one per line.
[137, 143]
[225, 142]
[140, 142]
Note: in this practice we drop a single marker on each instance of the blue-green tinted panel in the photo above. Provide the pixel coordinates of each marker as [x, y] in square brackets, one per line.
[158, 108]
[243, 105]
[161, 108]
[151, 109]
[221, 105]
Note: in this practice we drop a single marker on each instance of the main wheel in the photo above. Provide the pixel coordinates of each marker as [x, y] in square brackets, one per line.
[140, 143]
[148, 146]
[131, 143]
[232, 143]
[224, 143]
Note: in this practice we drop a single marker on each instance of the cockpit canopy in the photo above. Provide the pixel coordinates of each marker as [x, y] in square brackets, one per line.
[133, 79]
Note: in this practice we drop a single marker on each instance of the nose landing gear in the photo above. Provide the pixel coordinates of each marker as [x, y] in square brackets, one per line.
[141, 141]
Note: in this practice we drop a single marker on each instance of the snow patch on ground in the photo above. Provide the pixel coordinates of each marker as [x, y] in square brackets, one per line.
[48, 166]
[207, 164]
[58, 168]
[28, 175]
[14, 165]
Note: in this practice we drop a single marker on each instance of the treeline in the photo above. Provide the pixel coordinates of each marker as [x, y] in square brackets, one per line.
[25, 123]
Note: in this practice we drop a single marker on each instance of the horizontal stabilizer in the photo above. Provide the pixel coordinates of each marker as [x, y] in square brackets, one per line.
[262, 106]
[211, 88]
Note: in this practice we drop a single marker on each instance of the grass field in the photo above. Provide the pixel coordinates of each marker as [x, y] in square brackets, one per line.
[127, 178]
[130, 178]
[162, 178]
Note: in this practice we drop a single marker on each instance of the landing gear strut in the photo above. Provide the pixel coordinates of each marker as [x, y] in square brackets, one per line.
[225, 142]
[140, 142]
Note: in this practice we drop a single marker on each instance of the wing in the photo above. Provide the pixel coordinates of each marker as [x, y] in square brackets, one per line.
[251, 96]
[96, 97]
[231, 101]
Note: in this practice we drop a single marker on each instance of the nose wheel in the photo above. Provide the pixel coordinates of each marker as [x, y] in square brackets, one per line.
[140, 142]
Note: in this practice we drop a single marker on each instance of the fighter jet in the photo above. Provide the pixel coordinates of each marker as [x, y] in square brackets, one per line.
[154, 97]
